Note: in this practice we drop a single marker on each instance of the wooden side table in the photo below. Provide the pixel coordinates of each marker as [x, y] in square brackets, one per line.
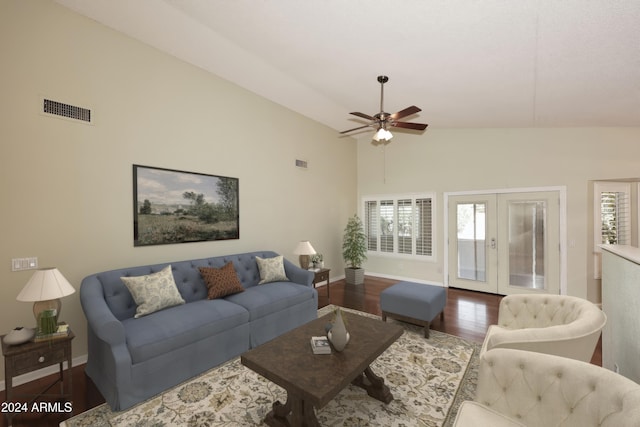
[321, 276]
[30, 356]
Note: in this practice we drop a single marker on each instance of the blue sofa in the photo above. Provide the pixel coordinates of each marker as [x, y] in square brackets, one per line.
[131, 359]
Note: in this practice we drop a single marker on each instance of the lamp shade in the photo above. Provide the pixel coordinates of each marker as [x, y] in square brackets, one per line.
[304, 248]
[45, 284]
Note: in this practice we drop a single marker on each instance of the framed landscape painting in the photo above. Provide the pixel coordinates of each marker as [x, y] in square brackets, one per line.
[173, 206]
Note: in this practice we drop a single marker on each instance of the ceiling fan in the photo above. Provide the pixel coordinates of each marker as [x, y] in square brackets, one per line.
[382, 121]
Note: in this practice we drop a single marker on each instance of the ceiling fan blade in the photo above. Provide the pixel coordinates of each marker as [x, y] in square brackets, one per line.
[364, 116]
[351, 130]
[407, 125]
[404, 113]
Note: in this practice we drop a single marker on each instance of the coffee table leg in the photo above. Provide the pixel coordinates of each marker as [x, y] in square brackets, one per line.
[374, 385]
[296, 412]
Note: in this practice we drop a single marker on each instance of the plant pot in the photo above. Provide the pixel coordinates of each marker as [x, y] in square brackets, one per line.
[354, 276]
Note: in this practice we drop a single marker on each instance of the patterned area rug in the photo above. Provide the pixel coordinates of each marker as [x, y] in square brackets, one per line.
[429, 379]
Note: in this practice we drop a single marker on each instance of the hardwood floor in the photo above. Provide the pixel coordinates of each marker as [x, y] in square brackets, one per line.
[467, 315]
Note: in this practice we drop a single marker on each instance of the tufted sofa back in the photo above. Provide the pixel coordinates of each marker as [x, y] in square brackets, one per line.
[541, 311]
[186, 275]
[541, 390]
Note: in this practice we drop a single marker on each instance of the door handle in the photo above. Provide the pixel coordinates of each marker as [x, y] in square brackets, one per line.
[493, 243]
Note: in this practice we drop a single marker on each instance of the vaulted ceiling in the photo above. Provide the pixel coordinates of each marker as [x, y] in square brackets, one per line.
[466, 63]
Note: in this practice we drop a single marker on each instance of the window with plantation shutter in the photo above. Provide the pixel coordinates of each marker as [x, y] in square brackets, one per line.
[386, 225]
[424, 238]
[611, 217]
[371, 224]
[405, 225]
[400, 225]
[614, 215]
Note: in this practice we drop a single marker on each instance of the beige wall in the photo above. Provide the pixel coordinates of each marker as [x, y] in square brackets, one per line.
[66, 188]
[449, 160]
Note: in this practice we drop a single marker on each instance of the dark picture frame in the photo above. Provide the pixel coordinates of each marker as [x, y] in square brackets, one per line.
[172, 206]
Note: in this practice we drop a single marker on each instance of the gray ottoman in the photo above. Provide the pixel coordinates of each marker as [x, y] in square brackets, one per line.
[413, 303]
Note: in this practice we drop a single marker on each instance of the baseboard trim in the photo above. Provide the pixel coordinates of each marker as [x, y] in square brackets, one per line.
[41, 373]
[405, 279]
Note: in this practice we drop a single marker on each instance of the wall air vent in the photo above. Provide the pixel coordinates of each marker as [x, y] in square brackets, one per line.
[60, 109]
[301, 163]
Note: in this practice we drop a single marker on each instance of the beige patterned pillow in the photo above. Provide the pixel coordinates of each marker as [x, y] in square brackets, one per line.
[153, 292]
[221, 281]
[271, 269]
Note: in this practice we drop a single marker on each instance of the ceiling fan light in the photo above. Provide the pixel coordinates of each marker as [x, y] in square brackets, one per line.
[382, 135]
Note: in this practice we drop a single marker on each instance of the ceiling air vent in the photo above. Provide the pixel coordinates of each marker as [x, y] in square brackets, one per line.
[67, 111]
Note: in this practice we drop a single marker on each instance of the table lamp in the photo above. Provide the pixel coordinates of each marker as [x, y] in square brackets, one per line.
[304, 249]
[44, 289]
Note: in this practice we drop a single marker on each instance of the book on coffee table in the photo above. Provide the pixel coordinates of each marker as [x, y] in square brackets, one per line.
[320, 345]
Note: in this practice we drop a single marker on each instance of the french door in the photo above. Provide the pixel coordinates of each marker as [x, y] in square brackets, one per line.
[505, 243]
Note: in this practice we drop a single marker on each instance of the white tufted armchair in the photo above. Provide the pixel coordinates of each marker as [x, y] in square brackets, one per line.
[553, 324]
[523, 388]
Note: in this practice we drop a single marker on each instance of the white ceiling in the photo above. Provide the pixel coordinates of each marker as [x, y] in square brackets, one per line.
[466, 63]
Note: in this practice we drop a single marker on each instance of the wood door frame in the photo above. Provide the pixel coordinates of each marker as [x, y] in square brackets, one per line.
[562, 193]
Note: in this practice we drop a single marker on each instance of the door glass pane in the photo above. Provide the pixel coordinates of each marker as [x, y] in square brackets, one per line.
[526, 243]
[471, 241]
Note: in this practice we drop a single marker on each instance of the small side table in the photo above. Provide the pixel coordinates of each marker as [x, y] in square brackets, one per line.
[30, 356]
[321, 276]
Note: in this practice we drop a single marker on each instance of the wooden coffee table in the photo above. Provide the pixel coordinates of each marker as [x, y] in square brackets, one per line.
[312, 380]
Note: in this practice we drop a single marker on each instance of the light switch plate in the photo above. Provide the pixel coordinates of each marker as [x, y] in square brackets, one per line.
[20, 264]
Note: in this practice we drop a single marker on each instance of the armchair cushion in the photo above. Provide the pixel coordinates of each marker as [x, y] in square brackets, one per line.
[477, 415]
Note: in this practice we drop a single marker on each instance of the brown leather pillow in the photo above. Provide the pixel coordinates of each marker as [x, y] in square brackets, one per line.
[221, 281]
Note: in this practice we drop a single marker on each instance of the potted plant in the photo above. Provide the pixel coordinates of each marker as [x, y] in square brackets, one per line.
[354, 251]
[317, 260]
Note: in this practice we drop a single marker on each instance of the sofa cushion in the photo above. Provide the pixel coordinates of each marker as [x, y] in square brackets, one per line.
[271, 269]
[166, 330]
[271, 297]
[221, 281]
[153, 292]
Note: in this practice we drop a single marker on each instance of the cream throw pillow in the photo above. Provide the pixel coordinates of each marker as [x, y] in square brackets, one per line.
[271, 269]
[153, 292]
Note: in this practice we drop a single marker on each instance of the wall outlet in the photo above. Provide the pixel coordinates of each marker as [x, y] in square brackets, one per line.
[20, 264]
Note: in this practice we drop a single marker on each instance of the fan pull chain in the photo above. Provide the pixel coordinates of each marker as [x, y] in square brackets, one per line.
[384, 163]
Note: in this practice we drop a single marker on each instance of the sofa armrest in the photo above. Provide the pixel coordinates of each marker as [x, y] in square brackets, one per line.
[297, 274]
[100, 319]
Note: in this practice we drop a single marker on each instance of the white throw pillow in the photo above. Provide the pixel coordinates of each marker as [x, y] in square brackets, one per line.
[153, 292]
[271, 269]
